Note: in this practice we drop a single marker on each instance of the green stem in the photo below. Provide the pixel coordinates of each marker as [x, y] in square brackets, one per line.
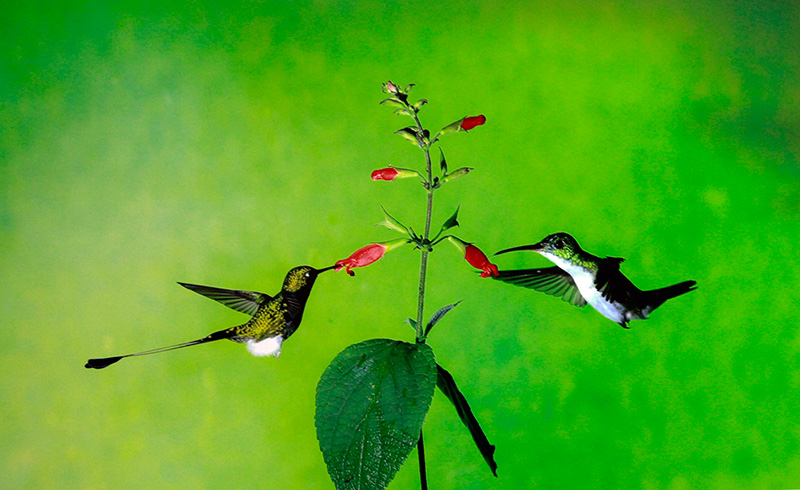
[423, 270]
[423, 267]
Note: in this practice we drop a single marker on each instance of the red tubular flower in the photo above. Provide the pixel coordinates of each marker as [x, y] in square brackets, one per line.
[391, 173]
[384, 174]
[475, 257]
[367, 255]
[473, 121]
[478, 259]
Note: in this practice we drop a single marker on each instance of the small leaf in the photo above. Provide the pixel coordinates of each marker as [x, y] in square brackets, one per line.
[442, 161]
[402, 112]
[413, 323]
[409, 87]
[438, 316]
[392, 102]
[447, 385]
[371, 403]
[420, 103]
[451, 221]
[390, 222]
[408, 133]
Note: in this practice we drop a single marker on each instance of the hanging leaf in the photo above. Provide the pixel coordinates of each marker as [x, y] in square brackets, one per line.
[371, 403]
[442, 161]
[447, 385]
[438, 316]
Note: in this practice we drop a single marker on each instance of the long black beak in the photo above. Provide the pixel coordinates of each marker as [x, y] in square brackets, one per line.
[534, 247]
[319, 271]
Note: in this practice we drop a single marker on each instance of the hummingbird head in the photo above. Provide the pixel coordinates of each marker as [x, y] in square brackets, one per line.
[302, 278]
[558, 244]
[561, 245]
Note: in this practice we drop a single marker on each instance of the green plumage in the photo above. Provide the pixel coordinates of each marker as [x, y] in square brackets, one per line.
[581, 278]
[275, 317]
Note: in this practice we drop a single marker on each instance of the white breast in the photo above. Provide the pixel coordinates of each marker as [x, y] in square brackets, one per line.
[584, 279]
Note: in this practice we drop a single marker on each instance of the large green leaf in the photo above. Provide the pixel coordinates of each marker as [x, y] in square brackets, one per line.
[371, 402]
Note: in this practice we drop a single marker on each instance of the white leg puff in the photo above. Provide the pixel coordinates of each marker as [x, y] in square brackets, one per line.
[271, 346]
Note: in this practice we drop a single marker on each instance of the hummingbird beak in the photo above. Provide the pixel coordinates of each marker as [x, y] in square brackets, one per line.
[535, 247]
[319, 271]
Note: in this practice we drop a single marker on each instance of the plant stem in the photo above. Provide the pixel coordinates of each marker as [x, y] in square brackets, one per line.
[423, 270]
[423, 267]
[423, 477]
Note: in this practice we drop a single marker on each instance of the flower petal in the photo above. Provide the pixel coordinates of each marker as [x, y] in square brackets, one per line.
[384, 174]
[473, 121]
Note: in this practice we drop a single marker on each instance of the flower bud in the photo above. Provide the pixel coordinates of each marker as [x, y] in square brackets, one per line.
[391, 173]
[384, 174]
[470, 122]
[391, 88]
[456, 174]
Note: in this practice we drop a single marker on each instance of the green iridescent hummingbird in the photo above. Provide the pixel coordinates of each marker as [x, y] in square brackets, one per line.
[580, 278]
[274, 318]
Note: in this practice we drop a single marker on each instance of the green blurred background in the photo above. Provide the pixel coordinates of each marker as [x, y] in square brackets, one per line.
[145, 143]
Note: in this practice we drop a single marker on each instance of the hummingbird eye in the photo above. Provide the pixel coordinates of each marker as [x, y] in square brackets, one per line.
[558, 244]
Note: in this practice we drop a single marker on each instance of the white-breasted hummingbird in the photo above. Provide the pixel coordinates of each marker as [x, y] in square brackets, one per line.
[580, 278]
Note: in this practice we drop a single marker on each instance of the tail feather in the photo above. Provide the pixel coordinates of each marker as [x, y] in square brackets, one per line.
[100, 363]
[656, 297]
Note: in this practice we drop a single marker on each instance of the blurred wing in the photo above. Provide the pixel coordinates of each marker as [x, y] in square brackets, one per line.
[244, 301]
[549, 280]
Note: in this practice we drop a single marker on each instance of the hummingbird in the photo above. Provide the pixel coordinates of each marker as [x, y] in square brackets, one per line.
[580, 278]
[273, 318]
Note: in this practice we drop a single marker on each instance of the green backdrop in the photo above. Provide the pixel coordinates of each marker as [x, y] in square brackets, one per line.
[152, 142]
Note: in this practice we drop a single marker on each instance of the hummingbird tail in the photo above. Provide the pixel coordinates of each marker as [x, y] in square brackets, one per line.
[104, 362]
[656, 297]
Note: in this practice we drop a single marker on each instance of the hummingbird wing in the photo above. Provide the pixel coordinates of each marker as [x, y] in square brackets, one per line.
[243, 301]
[294, 307]
[549, 280]
[612, 283]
